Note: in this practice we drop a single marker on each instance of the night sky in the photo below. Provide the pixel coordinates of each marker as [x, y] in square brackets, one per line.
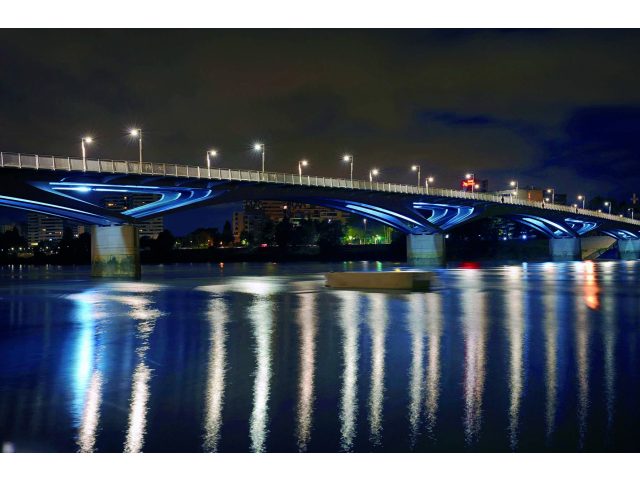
[547, 107]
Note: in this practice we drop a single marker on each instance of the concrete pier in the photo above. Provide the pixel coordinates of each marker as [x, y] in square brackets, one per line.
[426, 249]
[629, 249]
[565, 249]
[115, 252]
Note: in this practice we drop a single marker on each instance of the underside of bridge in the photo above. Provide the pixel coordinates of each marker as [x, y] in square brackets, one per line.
[423, 218]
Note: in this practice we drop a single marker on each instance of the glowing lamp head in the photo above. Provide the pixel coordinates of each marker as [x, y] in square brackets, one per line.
[546, 199]
[257, 146]
[304, 162]
[477, 186]
[213, 153]
[467, 176]
[414, 168]
[134, 132]
[346, 158]
[512, 183]
[374, 172]
[606, 203]
[580, 198]
[88, 140]
[430, 179]
[549, 191]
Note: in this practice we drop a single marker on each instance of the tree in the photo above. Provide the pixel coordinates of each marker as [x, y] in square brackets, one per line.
[165, 242]
[284, 234]
[227, 234]
[329, 234]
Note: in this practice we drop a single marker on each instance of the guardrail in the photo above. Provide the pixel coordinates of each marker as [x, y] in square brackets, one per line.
[54, 163]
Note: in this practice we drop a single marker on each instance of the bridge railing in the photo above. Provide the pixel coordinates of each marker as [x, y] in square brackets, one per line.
[35, 161]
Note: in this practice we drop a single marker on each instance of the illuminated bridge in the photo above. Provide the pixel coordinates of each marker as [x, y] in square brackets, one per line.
[68, 187]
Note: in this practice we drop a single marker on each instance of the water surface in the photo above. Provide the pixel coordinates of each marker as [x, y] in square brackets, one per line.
[261, 357]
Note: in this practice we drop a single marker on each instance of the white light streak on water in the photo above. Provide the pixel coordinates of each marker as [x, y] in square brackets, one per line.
[349, 323]
[218, 318]
[307, 321]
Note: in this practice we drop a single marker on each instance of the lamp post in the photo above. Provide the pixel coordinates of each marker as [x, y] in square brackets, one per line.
[349, 158]
[416, 167]
[427, 181]
[138, 133]
[84, 141]
[210, 153]
[552, 191]
[372, 174]
[260, 147]
[471, 175]
[631, 209]
[515, 185]
[581, 198]
[607, 204]
[301, 164]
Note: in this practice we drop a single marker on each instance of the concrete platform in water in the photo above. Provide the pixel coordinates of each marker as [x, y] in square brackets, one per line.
[381, 280]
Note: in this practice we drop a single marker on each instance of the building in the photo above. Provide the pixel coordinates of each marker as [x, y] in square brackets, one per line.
[525, 194]
[150, 227]
[41, 228]
[256, 213]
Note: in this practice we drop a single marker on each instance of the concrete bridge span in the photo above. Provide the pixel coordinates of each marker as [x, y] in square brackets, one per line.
[66, 186]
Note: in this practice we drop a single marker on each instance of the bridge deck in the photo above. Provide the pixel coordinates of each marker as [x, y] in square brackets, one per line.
[53, 163]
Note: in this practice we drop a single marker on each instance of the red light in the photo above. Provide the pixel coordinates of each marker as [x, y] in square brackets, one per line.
[263, 245]
[470, 265]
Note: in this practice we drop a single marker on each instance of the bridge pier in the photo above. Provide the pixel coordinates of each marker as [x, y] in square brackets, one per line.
[565, 249]
[629, 249]
[425, 249]
[115, 252]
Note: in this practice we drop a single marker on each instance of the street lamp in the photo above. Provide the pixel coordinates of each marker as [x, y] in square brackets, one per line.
[349, 158]
[471, 175]
[607, 204]
[138, 133]
[428, 181]
[85, 140]
[301, 164]
[631, 209]
[581, 198]
[514, 184]
[260, 147]
[210, 153]
[372, 173]
[416, 167]
[552, 191]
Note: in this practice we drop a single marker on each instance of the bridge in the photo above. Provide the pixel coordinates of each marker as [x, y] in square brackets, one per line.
[65, 187]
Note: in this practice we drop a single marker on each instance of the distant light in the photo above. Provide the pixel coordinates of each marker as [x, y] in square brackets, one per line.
[606, 203]
[346, 158]
[257, 147]
[524, 236]
[513, 183]
[374, 172]
[213, 152]
[304, 162]
[414, 168]
[430, 179]
[135, 132]
[467, 176]
[477, 186]
[546, 199]
[88, 140]
[580, 197]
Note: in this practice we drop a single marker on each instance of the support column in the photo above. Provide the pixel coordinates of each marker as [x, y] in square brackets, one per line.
[425, 249]
[565, 249]
[115, 252]
[629, 249]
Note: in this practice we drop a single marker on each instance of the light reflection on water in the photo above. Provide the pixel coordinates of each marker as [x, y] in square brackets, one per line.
[475, 335]
[527, 357]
